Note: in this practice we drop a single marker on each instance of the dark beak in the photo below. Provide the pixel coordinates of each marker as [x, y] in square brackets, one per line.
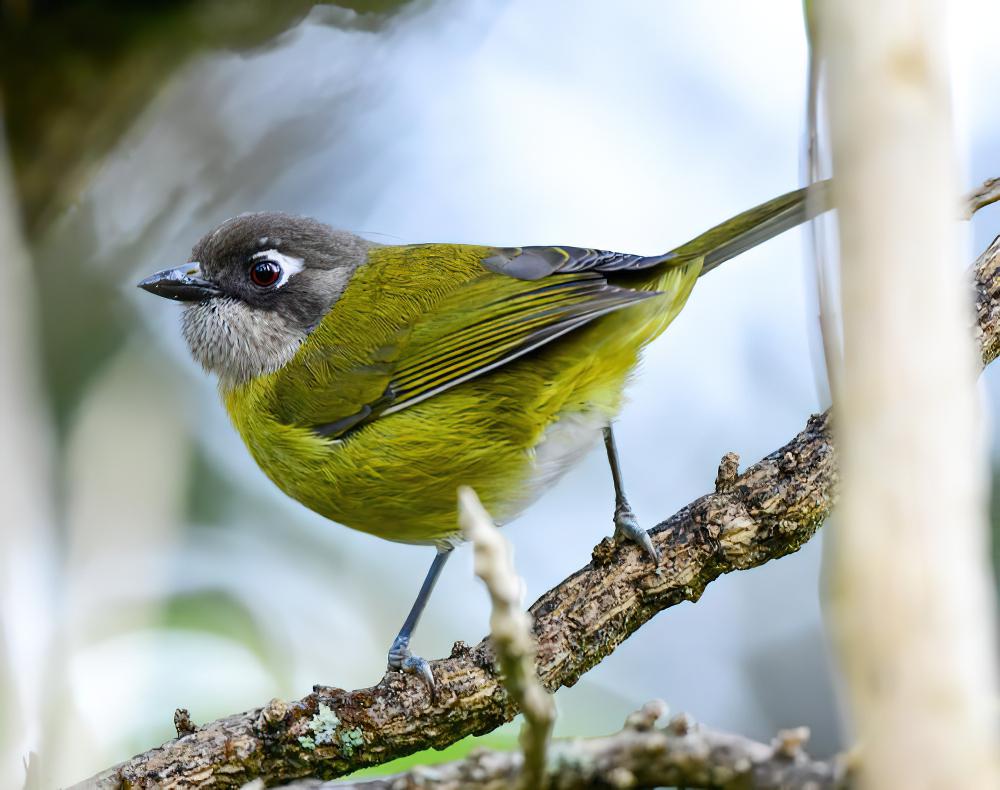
[183, 284]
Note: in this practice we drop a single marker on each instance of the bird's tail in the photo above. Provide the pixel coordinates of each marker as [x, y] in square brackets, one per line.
[755, 226]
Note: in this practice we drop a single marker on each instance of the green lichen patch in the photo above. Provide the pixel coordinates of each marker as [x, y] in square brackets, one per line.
[350, 740]
[324, 728]
[306, 742]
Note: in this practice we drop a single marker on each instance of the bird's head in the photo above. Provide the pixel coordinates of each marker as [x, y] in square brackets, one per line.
[255, 288]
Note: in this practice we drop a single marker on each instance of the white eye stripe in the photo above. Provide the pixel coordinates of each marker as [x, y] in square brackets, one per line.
[289, 266]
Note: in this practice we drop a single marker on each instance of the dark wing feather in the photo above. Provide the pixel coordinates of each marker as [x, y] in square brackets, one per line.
[534, 263]
[716, 245]
[490, 321]
[483, 326]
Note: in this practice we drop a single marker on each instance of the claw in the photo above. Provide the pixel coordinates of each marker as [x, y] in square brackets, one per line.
[401, 659]
[415, 665]
[627, 528]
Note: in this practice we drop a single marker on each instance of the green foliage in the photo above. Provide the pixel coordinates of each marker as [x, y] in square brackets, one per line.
[218, 613]
[84, 70]
[503, 739]
[995, 527]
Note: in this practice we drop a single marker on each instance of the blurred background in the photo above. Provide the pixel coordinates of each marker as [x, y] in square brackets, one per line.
[147, 564]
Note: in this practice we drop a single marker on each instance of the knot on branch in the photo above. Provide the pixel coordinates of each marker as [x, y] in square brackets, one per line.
[183, 723]
[790, 744]
[728, 523]
[604, 552]
[644, 719]
[272, 715]
[729, 470]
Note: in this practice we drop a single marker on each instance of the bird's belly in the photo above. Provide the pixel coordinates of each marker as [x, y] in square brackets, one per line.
[562, 446]
[411, 497]
[509, 436]
[401, 485]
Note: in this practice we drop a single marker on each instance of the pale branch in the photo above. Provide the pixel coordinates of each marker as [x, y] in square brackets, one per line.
[680, 753]
[910, 615]
[769, 511]
[987, 194]
[510, 635]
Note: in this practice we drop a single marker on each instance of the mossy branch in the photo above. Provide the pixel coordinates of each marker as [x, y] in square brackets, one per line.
[769, 511]
[678, 753]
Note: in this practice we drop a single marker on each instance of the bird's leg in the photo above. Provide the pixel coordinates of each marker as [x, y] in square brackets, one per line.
[626, 525]
[400, 656]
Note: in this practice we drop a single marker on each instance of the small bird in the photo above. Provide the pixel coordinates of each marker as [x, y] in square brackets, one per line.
[369, 382]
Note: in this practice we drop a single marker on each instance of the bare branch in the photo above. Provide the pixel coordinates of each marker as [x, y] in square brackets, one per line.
[769, 511]
[986, 195]
[510, 634]
[679, 754]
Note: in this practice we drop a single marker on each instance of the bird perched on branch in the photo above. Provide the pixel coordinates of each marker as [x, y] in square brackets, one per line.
[369, 382]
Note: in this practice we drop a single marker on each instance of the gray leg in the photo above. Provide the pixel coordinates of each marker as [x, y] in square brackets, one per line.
[626, 525]
[400, 656]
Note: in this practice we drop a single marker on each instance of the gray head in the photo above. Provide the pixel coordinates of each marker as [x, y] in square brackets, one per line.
[256, 287]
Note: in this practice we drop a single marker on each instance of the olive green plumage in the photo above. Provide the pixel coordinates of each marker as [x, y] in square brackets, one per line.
[397, 476]
[370, 382]
[442, 365]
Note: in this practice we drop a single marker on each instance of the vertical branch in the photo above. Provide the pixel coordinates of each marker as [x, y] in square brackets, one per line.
[510, 632]
[27, 537]
[822, 274]
[910, 600]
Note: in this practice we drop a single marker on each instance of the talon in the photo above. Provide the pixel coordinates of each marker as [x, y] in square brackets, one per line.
[627, 528]
[402, 660]
[415, 665]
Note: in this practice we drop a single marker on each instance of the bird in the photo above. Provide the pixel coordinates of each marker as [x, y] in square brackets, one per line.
[369, 382]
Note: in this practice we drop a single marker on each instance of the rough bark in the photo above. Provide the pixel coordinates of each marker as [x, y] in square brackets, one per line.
[679, 754]
[769, 511]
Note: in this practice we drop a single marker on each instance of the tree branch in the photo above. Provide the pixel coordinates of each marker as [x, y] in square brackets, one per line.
[986, 195]
[914, 637]
[767, 512]
[679, 754]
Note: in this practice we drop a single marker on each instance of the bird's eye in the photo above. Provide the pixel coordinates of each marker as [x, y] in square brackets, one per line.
[264, 273]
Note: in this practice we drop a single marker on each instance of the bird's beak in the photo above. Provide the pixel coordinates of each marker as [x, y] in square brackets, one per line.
[184, 284]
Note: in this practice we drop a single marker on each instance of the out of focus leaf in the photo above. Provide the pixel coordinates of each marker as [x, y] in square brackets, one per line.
[221, 614]
[502, 740]
[73, 76]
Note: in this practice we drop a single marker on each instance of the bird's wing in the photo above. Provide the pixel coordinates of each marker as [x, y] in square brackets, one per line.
[477, 327]
[473, 336]
[535, 263]
[716, 245]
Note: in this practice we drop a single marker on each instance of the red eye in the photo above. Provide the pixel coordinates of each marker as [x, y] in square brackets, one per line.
[265, 273]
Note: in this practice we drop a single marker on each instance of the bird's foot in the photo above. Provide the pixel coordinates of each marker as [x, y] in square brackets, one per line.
[401, 659]
[627, 528]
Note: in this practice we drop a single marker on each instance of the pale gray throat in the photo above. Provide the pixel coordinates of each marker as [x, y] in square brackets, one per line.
[239, 342]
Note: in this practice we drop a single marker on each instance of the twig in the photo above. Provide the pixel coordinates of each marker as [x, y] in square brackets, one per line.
[679, 754]
[510, 634]
[986, 195]
[769, 511]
